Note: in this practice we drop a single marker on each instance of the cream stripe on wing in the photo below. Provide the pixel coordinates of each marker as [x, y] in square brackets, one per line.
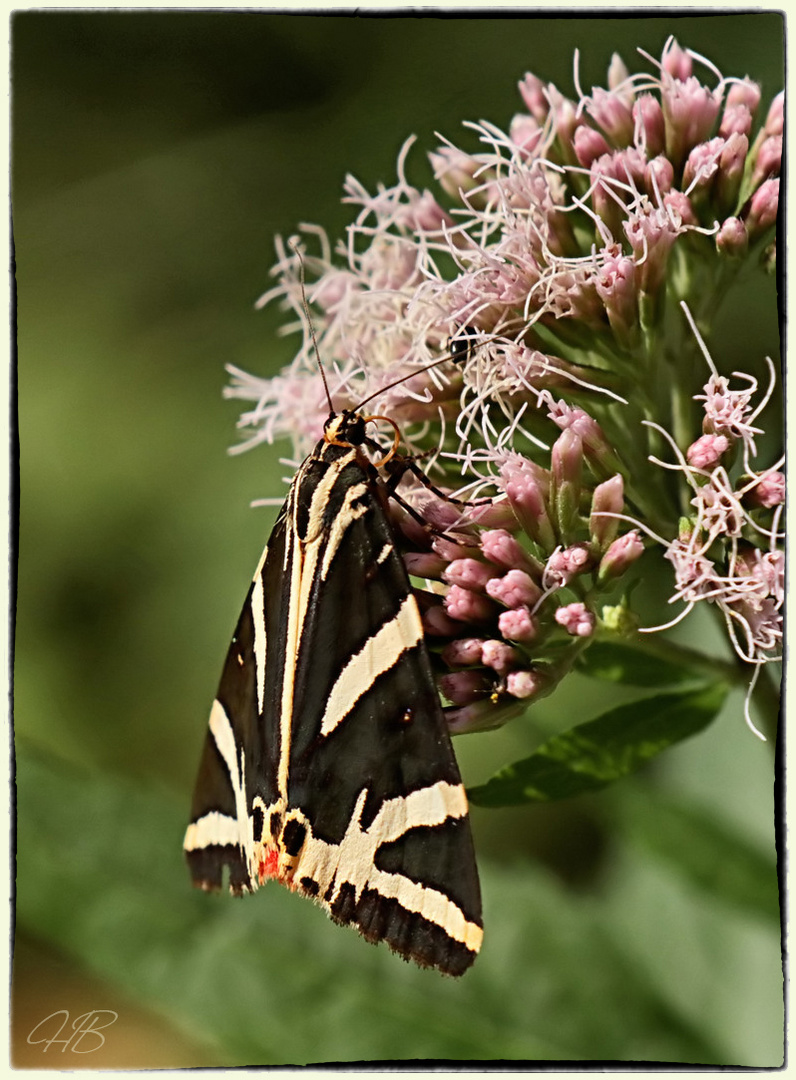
[258, 619]
[377, 655]
[343, 521]
[430, 805]
[214, 828]
[352, 861]
[303, 561]
[430, 904]
[224, 737]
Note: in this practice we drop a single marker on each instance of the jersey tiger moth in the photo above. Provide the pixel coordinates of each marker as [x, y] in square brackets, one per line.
[327, 764]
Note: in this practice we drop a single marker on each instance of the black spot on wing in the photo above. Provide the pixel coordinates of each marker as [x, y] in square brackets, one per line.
[309, 886]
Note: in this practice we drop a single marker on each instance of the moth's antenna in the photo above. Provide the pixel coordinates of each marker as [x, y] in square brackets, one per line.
[442, 360]
[297, 250]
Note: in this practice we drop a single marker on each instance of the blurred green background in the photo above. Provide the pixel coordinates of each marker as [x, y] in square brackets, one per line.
[155, 155]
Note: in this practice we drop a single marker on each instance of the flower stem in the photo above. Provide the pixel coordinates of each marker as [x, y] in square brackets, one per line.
[683, 656]
[734, 672]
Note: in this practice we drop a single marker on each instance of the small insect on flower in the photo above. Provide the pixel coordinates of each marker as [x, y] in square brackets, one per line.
[463, 344]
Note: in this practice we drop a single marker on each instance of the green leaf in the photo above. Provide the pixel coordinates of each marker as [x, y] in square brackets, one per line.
[706, 851]
[269, 980]
[594, 754]
[616, 662]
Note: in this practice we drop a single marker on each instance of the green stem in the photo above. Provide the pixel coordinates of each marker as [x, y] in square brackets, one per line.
[666, 649]
[734, 672]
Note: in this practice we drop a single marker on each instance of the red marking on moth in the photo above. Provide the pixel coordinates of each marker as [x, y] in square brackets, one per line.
[269, 866]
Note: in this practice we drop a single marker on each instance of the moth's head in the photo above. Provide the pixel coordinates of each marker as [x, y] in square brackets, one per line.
[345, 429]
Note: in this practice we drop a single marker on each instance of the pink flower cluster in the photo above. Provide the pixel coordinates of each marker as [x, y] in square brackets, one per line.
[713, 556]
[552, 258]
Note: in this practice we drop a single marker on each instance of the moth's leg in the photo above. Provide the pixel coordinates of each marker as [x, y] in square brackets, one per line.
[390, 485]
[408, 463]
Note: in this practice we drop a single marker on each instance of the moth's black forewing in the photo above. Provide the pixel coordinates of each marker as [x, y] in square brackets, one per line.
[385, 744]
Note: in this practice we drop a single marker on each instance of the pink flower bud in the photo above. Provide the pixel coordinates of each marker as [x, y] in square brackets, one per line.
[745, 93]
[775, 121]
[518, 625]
[680, 205]
[463, 687]
[595, 445]
[731, 170]
[659, 176]
[576, 619]
[565, 120]
[608, 498]
[483, 715]
[440, 513]
[504, 550]
[468, 606]
[768, 492]
[449, 551]
[424, 214]
[707, 451]
[737, 119]
[769, 159]
[675, 62]
[602, 171]
[525, 132]
[648, 113]
[613, 115]
[424, 564]
[494, 515]
[437, 623]
[620, 555]
[454, 170]
[528, 503]
[533, 94]
[567, 458]
[617, 74]
[514, 589]
[732, 239]
[469, 573]
[567, 469]
[499, 656]
[565, 564]
[463, 652]
[589, 145]
[616, 287]
[763, 209]
[524, 684]
[690, 111]
[701, 165]
[651, 233]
